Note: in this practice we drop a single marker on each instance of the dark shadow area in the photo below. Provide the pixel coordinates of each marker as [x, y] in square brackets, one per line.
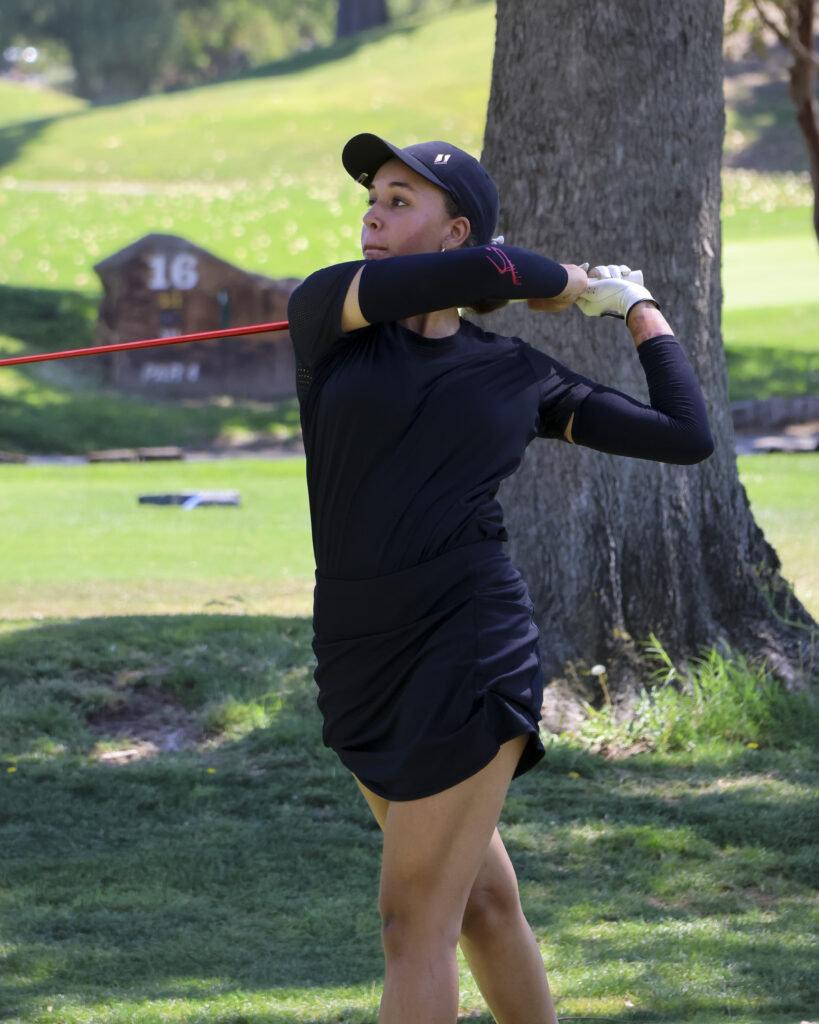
[770, 371]
[309, 59]
[246, 859]
[321, 55]
[727, 817]
[758, 91]
[48, 319]
[16, 136]
[66, 406]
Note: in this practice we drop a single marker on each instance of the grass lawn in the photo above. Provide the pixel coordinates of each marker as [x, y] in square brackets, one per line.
[79, 544]
[784, 495]
[771, 287]
[177, 845]
[234, 881]
[84, 546]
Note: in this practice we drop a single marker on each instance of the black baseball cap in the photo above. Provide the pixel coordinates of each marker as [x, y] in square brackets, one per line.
[450, 168]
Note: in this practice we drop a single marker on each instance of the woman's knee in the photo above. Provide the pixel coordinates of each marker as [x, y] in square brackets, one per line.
[412, 914]
[491, 906]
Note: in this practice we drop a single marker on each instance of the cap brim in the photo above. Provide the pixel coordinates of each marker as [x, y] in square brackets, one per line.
[365, 153]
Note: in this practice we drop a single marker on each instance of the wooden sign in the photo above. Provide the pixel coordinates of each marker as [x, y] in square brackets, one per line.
[163, 285]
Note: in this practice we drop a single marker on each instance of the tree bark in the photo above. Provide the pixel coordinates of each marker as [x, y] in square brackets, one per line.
[803, 93]
[604, 133]
[358, 15]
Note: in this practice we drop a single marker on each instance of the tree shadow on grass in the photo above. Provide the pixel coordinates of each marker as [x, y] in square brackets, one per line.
[766, 115]
[316, 57]
[664, 873]
[16, 136]
[247, 861]
[768, 371]
[320, 55]
[47, 318]
[249, 864]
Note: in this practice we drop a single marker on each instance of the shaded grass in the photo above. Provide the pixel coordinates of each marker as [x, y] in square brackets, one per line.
[237, 881]
[760, 129]
[771, 352]
[26, 103]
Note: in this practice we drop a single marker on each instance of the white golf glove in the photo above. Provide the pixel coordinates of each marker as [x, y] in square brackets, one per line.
[613, 290]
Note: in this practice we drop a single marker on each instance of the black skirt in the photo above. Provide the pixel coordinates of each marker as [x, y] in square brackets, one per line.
[423, 673]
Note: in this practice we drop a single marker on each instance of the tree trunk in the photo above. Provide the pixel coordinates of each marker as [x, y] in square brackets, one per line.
[358, 15]
[803, 94]
[604, 134]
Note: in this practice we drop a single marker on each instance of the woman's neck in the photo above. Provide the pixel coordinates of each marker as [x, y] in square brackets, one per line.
[441, 324]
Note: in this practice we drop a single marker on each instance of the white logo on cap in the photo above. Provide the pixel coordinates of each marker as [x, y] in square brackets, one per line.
[442, 158]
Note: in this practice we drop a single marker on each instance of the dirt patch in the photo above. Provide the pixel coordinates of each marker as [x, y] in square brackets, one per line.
[144, 719]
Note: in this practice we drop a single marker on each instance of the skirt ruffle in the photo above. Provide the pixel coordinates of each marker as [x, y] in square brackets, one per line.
[424, 673]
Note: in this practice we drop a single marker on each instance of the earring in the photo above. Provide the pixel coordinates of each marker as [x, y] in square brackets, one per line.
[443, 248]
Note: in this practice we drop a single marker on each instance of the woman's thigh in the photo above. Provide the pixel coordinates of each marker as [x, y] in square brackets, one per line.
[377, 804]
[434, 847]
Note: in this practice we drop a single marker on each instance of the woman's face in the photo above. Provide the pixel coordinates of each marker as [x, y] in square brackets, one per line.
[407, 215]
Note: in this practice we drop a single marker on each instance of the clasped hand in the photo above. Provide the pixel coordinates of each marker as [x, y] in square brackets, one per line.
[606, 290]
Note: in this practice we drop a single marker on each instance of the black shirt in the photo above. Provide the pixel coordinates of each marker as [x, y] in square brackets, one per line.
[407, 438]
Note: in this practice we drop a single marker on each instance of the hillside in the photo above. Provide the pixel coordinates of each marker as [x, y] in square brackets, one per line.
[250, 170]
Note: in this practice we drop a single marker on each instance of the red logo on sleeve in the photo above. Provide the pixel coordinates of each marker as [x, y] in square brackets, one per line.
[501, 262]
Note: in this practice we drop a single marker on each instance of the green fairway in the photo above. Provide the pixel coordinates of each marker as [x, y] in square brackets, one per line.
[28, 106]
[770, 279]
[784, 495]
[78, 543]
[83, 545]
[775, 272]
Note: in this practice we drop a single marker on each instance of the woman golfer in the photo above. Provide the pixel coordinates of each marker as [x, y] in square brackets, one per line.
[428, 671]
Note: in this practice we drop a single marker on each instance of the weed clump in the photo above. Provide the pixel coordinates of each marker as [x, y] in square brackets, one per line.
[724, 697]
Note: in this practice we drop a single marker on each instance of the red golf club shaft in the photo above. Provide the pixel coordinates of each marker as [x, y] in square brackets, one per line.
[121, 346]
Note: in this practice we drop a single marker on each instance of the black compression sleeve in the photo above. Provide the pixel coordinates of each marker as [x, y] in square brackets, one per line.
[674, 428]
[403, 286]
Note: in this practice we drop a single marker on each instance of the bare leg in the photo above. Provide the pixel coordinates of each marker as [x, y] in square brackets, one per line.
[500, 948]
[433, 851]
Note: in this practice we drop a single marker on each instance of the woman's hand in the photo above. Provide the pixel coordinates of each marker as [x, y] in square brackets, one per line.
[577, 283]
[619, 291]
[613, 290]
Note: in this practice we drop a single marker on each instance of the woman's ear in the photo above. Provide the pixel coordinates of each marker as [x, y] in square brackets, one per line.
[458, 233]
